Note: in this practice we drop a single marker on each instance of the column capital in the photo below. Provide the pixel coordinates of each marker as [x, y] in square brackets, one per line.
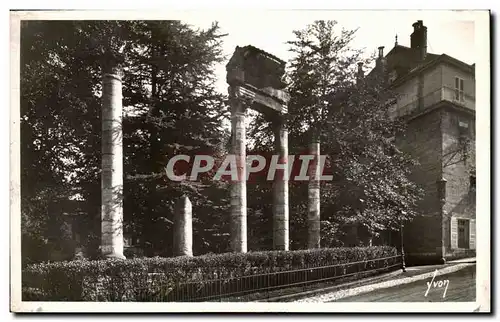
[116, 76]
[112, 63]
[238, 108]
[238, 104]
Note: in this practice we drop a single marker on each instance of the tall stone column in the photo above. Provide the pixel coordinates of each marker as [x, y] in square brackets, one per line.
[183, 228]
[280, 190]
[112, 165]
[238, 186]
[313, 189]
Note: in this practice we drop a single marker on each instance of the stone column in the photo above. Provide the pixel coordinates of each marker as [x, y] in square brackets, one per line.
[183, 228]
[112, 165]
[239, 187]
[280, 189]
[313, 189]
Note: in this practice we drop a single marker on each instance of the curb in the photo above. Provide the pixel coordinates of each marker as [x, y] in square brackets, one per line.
[462, 261]
[332, 296]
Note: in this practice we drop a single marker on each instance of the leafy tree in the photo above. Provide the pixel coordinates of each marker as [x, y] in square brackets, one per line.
[170, 107]
[176, 110]
[371, 185]
[58, 112]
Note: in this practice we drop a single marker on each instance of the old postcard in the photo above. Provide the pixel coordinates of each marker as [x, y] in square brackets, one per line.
[257, 161]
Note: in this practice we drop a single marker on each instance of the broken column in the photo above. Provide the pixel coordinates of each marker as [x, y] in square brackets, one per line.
[112, 165]
[238, 186]
[280, 189]
[183, 228]
[313, 189]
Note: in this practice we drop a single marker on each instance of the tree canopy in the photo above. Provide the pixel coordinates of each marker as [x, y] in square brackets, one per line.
[371, 184]
[171, 106]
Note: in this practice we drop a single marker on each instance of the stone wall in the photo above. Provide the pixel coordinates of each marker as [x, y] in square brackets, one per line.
[444, 148]
[423, 141]
[458, 166]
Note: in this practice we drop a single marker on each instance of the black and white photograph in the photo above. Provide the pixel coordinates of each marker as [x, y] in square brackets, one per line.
[298, 161]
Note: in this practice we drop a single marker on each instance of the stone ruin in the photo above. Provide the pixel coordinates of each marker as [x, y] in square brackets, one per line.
[255, 80]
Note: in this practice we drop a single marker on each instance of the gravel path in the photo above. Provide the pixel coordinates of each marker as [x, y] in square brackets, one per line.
[368, 288]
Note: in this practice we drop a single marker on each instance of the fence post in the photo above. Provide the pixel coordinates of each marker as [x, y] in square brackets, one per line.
[305, 284]
[403, 266]
[220, 287]
[268, 283]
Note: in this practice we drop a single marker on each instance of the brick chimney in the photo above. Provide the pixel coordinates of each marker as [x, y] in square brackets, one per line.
[419, 39]
[360, 74]
[380, 62]
[381, 52]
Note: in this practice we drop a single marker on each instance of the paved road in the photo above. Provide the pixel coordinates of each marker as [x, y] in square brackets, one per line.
[462, 288]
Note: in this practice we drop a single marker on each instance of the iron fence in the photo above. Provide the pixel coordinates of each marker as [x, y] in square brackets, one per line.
[230, 289]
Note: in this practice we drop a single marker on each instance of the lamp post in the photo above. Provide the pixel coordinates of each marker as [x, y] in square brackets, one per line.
[441, 184]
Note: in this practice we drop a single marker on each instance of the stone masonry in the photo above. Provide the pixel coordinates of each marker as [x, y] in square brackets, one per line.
[112, 166]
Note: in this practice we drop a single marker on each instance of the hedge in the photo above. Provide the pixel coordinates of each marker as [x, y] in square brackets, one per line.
[132, 279]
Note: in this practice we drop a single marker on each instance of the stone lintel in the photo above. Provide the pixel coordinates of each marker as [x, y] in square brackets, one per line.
[264, 102]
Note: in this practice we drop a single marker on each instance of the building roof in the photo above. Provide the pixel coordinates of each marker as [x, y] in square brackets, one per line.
[430, 61]
[409, 53]
[407, 63]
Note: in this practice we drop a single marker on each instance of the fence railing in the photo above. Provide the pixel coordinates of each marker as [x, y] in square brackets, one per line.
[228, 289]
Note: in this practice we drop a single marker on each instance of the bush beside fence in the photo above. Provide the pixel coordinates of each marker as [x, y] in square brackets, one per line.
[134, 279]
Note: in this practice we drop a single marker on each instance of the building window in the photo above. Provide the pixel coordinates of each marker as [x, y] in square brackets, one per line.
[472, 182]
[459, 89]
[464, 130]
[463, 233]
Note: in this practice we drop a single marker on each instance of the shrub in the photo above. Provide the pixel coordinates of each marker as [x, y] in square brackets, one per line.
[142, 278]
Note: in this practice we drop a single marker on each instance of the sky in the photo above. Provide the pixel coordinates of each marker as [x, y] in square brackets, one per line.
[449, 32]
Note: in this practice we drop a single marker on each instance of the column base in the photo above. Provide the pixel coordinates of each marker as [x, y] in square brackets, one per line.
[114, 256]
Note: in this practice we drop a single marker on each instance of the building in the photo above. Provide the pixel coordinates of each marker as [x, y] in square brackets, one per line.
[436, 97]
